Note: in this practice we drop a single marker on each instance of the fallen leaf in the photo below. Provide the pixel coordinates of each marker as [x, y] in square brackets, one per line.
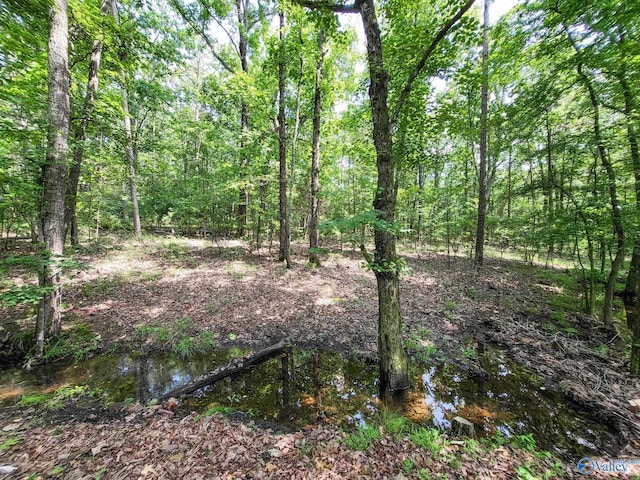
[98, 448]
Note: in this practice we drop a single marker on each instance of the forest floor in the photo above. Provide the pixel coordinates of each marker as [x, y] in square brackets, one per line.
[245, 298]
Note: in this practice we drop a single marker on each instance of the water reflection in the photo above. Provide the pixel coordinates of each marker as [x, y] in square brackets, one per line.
[308, 387]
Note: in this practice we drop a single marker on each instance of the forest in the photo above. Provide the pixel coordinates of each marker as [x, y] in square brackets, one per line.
[378, 238]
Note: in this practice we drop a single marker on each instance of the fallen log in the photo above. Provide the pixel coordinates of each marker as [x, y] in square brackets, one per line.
[237, 365]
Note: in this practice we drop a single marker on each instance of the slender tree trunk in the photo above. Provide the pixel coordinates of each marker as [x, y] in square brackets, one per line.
[314, 258]
[482, 174]
[509, 183]
[243, 44]
[294, 139]
[616, 215]
[131, 163]
[80, 135]
[632, 288]
[550, 190]
[285, 235]
[393, 360]
[130, 153]
[51, 221]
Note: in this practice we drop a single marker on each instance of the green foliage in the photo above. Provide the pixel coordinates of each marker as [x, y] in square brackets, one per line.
[23, 295]
[524, 442]
[218, 410]
[363, 437]
[58, 399]
[427, 438]
[8, 443]
[102, 286]
[78, 343]
[393, 423]
[34, 400]
[496, 440]
[407, 466]
[178, 337]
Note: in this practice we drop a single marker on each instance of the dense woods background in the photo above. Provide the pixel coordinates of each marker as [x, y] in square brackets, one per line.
[252, 119]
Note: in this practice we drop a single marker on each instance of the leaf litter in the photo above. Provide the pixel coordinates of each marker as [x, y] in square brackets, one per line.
[246, 299]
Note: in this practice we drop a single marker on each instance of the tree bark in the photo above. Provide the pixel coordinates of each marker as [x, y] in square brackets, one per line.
[314, 257]
[131, 163]
[393, 360]
[616, 216]
[54, 170]
[285, 235]
[243, 44]
[631, 295]
[79, 137]
[236, 366]
[130, 153]
[482, 174]
[550, 190]
[394, 375]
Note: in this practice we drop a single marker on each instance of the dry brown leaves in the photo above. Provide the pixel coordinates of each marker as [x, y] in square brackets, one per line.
[151, 446]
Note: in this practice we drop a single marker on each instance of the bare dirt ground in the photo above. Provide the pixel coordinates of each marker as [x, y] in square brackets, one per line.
[247, 299]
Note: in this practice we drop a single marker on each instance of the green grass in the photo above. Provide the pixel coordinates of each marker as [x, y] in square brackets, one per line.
[524, 442]
[427, 438]
[178, 337]
[59, 398]
[394, 423]
[34, 400]
[218, 410]
[102, 286]
[78, 343]
[362, 438]
[8, 443]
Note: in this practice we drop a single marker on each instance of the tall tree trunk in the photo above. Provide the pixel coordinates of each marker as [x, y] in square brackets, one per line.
[243, 44]
[131, 163]
[296, 133]
[314, 258]
[51, 221]
[130, 152]
[550, 188]
[79, 137]
[393, 360]
[616, 216]
[509, 182]
[482, 174]
[285, 235]
[632, 288]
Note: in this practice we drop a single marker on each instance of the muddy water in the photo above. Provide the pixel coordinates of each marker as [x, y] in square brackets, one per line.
[310, 387]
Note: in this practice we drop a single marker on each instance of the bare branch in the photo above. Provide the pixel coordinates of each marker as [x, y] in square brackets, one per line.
[200, 31]
[334, 7]
[220, 24]
[425, 57]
